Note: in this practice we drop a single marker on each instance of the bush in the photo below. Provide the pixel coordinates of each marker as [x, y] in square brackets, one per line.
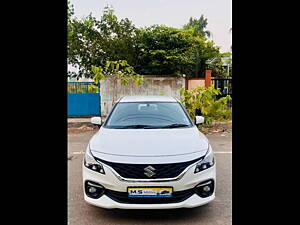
[205, 99]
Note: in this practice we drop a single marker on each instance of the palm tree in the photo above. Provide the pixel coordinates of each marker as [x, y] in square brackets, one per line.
[198, 25]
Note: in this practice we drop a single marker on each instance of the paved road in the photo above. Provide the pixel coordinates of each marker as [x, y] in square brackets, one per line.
[218, 212]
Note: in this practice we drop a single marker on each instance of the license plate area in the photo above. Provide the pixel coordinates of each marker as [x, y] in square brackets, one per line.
[149, 192]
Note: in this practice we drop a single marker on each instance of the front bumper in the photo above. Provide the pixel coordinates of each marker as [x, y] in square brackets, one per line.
[106, 202]
[110, 181]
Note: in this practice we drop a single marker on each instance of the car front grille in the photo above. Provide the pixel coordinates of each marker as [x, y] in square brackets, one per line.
[137, 171]
[122, 197]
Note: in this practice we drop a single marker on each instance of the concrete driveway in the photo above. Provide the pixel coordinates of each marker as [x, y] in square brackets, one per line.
[218, 212]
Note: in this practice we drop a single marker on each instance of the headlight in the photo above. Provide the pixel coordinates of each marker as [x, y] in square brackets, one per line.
[91, 163]
[207, 162]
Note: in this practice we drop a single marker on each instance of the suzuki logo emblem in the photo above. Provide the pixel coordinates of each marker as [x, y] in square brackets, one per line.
[149, 171]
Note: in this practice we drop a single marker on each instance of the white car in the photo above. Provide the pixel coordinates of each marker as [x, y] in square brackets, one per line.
[148, 154]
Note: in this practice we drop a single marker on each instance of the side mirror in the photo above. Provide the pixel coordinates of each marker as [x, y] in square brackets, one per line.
[198, 112]
[96, 120]
[199, 119]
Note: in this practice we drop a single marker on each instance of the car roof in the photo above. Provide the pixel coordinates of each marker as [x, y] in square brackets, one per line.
[147, 99]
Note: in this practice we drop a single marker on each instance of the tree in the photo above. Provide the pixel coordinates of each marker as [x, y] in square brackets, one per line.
[172, 51]
[92, 42]
[119, 37]
[209, 51]
[154, 50]
[218, 64]
[164, 50]
[84, 46]
[70, 11]
[205, 54]
[198, 26]
[115, 71]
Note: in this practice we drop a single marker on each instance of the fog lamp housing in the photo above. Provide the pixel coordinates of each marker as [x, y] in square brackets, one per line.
[93, 189]
[205, 189]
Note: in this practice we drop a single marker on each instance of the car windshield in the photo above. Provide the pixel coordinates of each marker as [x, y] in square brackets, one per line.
[148, 115]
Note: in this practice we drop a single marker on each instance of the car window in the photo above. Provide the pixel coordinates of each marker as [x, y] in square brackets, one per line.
[157, 114]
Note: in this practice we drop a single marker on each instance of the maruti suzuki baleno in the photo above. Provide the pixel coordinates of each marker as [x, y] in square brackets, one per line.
[148, 154]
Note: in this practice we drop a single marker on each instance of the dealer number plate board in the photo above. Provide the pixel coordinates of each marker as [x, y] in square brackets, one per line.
[153, 192]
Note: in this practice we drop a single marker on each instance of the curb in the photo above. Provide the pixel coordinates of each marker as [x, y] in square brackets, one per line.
[79, 122]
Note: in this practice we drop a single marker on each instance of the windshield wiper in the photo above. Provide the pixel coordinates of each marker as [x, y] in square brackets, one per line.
[175, 125]
[137, 126]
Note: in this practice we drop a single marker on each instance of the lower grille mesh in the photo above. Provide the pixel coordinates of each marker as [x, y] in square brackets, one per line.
[122, 197]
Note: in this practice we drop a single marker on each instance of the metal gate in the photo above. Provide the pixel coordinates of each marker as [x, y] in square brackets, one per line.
[225, 85]
[83, 100]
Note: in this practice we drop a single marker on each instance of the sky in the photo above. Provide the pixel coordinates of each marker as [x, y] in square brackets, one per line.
[173, 13]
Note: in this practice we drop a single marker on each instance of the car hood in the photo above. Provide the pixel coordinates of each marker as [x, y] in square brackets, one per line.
[148, 145]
